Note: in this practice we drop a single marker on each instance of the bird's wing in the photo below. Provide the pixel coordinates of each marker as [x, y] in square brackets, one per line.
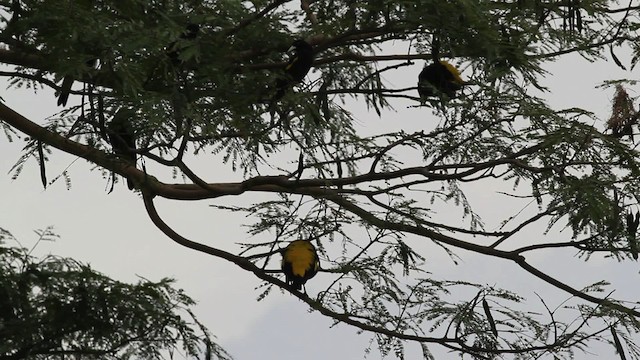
[290, 64]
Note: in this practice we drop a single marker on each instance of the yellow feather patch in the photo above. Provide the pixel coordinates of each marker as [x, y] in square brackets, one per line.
[452, 69]
[299, 263]
[302, 257]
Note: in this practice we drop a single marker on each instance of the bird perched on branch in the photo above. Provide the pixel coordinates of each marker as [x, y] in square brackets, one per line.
[174, 49]
[440, 77]
[299, 64]
[122, 137]
[299, 263]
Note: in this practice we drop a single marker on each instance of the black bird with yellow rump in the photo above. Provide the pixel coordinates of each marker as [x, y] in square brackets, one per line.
[299, 263]
[437, 78]
[299, 64]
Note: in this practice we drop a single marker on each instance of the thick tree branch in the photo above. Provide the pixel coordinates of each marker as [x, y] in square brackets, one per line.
[199, 192]
[263, 275]
[454, 343]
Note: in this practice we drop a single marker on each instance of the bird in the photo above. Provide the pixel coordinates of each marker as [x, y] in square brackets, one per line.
[297, 67]
[174, 49]
[299, 263]
[439, 77]
[68, 80]
[122, 137]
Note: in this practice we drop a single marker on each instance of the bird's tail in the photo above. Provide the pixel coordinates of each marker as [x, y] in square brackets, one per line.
[65, 89]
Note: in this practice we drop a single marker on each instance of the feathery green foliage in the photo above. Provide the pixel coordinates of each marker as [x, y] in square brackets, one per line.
[497, 171]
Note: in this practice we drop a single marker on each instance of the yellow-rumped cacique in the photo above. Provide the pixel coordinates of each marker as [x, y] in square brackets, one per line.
[299, 263]
[122, 137]
[299, 64]
[439, 78]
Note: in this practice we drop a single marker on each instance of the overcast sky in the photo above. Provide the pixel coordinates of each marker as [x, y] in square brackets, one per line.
[114, 234]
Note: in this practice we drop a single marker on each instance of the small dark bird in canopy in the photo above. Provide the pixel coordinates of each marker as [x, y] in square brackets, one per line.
[174, 49]
[299, 263]
[299, 64]
[121, 135]
[439, 78]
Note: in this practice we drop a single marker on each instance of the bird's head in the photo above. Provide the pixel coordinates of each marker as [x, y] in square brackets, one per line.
[300, 45]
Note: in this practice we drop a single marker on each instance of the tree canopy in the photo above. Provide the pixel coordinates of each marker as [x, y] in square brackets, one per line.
[56, 307]
[199, 78]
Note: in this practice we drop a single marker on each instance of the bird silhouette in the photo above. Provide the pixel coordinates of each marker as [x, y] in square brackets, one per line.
[297, 67]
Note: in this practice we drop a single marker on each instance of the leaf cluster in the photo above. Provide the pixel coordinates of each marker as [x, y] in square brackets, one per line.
[56, 306]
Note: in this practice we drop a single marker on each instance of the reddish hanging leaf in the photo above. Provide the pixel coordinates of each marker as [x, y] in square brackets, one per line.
[623, 115]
